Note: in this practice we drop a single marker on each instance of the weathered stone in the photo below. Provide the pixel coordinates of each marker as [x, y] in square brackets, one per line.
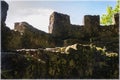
[5, 31]
[116, 18]
[59, 25]
[117, 21]
[33, 36]
[4, 8]
[91, 24]
[19, 27]
[91, 21]
[75, 31]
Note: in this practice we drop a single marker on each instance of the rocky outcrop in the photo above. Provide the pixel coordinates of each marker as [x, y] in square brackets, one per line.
[59, 25]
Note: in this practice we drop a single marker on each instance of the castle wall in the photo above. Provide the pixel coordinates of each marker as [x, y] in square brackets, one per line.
[59, 25]
[19, 27]
[116, 18]
[91, 21]
[91, 24]
[75, 31]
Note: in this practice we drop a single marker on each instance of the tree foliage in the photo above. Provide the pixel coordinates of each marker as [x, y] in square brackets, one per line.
[107, 19]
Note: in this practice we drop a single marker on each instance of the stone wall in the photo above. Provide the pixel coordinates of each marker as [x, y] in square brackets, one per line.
[60, 26]
[91, 21]
[91, 24]
[75, 31]
[19, 27]
[5, 31]
[4, 9]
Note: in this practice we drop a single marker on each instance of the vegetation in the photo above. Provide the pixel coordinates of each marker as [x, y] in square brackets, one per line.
[107, 19]
[86, 62]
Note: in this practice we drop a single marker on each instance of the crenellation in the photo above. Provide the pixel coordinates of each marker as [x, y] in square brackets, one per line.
[60, 26]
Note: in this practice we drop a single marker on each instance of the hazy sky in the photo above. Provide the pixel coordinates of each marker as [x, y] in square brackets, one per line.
[37, 12]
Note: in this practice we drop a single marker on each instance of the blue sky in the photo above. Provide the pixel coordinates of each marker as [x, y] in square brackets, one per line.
[37, 12]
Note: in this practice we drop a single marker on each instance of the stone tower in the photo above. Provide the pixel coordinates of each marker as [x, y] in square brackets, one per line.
[116, 25]
[116, 18]
[59, 25]
[91, 24]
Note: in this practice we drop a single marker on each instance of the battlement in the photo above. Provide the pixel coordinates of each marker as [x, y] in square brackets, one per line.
[116, 18]
[60, 26]
[91, 21]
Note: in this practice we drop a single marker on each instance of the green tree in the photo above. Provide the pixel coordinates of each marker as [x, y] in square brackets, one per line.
[107, 19]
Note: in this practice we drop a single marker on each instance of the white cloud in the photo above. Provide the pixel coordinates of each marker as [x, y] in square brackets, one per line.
[37, 17]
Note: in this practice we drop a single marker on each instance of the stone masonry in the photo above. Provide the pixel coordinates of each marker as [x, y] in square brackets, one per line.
[19, 27]
[4, 9]
[60, 25]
